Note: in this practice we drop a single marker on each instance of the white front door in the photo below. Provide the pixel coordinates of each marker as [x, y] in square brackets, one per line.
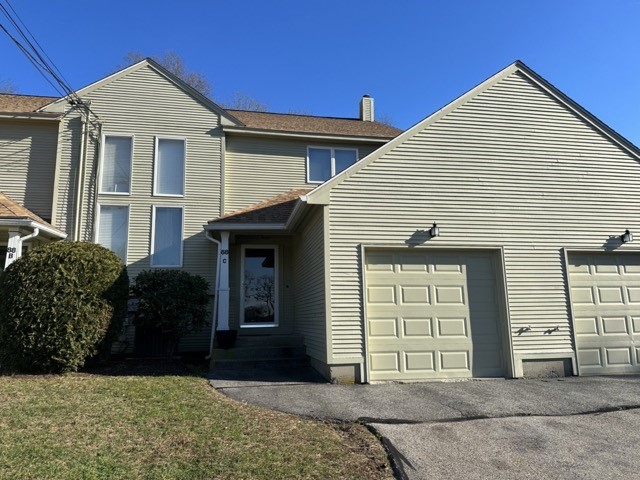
[259, 286]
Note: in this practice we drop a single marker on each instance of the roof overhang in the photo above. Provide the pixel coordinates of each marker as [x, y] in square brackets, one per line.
[297, 214]
[28, 223]
[29, 116]
[253, 132]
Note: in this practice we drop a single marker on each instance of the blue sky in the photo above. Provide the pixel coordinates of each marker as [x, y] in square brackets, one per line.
[413, 57]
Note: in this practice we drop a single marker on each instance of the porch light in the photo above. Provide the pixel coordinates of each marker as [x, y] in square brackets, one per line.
[627, 236]
[435, 230]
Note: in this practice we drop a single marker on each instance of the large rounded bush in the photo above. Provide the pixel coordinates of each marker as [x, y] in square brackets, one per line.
[60, 304]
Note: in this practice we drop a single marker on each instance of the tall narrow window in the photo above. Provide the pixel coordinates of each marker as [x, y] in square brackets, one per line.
[169, 167]
[116, 165]
[113, 228]
[166, 243]
[324, 163]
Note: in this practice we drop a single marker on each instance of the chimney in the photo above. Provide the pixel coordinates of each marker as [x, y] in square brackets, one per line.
[366, 109]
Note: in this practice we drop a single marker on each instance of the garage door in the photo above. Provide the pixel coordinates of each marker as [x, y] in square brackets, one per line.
[432, 315]
[605, 296]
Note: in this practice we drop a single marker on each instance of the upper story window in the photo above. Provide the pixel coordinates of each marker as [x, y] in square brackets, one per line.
[324, 163]
[115, 176]
[169, 167]
[113, 228]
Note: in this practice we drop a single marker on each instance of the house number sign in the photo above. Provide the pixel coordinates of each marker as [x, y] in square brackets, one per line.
[11, 252]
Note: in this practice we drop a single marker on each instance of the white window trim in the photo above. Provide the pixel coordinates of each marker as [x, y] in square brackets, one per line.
[155, 167]
[101, 160]
[153, 237]
[333, 160]
[276, 275]
[96, 235]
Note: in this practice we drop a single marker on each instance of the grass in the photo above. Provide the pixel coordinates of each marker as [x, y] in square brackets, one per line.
[96, 426]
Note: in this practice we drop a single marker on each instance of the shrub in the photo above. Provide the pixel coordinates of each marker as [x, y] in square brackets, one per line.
[171, 301]
[58, 303]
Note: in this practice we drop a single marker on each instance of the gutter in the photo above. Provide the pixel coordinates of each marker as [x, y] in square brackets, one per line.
[32, 224]
[29, 116]
[271, 133]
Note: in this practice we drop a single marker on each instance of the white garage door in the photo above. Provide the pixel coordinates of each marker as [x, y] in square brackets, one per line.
[432, 315]
[605, 297]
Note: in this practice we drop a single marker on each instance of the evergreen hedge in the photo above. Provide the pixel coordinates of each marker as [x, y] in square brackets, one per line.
[60, 304]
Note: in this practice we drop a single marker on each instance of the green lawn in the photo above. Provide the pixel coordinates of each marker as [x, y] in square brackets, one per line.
[90, 426]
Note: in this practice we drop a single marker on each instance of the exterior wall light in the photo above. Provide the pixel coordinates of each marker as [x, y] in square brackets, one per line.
[435, 230]
[627, 236]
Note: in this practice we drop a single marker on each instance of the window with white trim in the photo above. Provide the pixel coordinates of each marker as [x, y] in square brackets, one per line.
[113, 228]
[324, 163]
[166, 239]
[115, 176]
[169, 167]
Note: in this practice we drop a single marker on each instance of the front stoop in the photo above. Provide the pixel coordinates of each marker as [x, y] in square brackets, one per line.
[262, 351]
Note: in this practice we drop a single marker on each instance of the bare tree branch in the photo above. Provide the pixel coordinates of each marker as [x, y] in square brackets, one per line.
[385, 119]
[243, 101]
[7, 86]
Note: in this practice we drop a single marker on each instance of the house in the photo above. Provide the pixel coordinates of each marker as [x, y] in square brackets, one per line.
[492, 239]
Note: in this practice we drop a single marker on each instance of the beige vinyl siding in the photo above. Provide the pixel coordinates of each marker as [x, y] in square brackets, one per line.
[145, 104]
[28, 163]
[510, 168]
[258, 168]
[309, 302]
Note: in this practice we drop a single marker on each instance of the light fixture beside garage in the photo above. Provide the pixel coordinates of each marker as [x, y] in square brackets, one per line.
[434, 231]
[626, 237]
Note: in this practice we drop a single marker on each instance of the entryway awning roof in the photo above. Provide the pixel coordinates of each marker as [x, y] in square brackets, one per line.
[14, 214]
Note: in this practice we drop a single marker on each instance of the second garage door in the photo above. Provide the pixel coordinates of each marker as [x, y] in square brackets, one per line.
[432, 314]
[605, 298]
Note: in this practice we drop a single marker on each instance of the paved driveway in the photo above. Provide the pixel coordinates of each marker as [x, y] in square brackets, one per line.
[558, 428]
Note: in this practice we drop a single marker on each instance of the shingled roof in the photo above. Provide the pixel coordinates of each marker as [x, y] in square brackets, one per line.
[12, 210]
[285, 122]
[275, 210]
[12, 103]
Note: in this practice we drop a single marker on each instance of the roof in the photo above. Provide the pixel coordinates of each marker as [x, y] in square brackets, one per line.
[13, 103]
[12, 210]
[286, 122]
[320, 195]
[276, 210]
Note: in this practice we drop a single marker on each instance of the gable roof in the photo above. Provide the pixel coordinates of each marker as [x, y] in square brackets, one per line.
[12, 210]
[15, 103]
[148, 62]
[320, 194]
[276, 210]
[286, 122]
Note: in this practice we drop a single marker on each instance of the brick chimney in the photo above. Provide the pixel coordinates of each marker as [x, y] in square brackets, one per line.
[366, 109]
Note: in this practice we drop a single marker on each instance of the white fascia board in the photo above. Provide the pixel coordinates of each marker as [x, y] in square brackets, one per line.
[30, 116]
[320, 136]
[7, 222]
[231, 227]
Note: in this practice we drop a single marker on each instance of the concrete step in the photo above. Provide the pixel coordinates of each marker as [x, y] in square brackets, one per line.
[268, 341]
[259, 363]
[249, 353]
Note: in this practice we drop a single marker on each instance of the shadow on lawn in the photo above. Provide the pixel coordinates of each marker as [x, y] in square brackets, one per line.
[187, 365]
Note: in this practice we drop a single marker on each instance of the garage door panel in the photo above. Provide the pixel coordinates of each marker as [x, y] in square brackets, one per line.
[607, 332]
[442, 321]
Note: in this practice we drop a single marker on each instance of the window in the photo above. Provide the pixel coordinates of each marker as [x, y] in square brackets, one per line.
[113, 228]
[169, 167]
[166, 240]
[324, 163]
[116, 165]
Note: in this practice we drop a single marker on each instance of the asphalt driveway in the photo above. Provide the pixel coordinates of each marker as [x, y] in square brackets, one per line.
[586, 427]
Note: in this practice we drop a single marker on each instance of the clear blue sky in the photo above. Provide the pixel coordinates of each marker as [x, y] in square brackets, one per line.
[321, 56]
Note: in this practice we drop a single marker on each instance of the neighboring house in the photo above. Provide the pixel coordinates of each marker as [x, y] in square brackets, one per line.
[487, 240]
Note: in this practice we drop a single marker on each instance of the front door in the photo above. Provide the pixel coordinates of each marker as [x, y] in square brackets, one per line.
[259, 287]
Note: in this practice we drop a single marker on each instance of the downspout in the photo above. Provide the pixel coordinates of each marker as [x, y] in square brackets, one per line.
[96, 187]
[15, 244]
[215, 298]
[84, 141]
